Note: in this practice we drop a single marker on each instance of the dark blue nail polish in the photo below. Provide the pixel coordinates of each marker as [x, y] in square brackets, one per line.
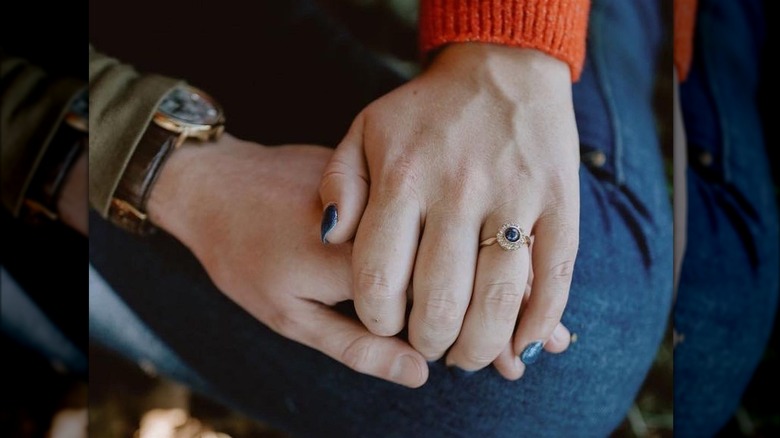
[460, 372]
[532, 352]
[330, 217]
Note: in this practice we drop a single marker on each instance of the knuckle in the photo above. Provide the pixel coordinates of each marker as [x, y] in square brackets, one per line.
[402, 179]
[564, 176]
[461, 203]
[441, 314]
[502, 300]
[377, 302]
[562, 271]
[431, 348]
[560, 275]
[563, 190]
[465, 183]
[337, 166]
[564, 233]
[551, 318]
[338, 171]
[481, 357]
[374, 285]
[358, 355]
[437, 326]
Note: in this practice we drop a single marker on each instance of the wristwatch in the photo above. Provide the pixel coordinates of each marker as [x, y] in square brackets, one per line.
[65, 147]
[184, 113]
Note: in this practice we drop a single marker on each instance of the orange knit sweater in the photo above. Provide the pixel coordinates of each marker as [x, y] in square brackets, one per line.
[684, 22]
[557, 27]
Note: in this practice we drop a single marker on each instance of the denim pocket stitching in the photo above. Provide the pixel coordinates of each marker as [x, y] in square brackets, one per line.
[599, 69]
[712, 87]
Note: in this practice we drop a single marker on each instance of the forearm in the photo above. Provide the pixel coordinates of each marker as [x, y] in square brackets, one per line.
[518, 75]
[188, 176]
[33, 106]
[177, 186]
[122, 103]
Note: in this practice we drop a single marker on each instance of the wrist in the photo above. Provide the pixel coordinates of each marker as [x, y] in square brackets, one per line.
[183, 113]
[555, 27]
[519, 72]
[190, 181]
[178, 181]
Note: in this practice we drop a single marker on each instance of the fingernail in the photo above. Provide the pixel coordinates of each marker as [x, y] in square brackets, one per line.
[460, 372]
[519, 366]
[560, 334]
[532, 352]
[405, 370]
[330, 217]
[555, 336]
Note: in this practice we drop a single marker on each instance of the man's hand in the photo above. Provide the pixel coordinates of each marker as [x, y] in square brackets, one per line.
[250, 214]
[484, 137]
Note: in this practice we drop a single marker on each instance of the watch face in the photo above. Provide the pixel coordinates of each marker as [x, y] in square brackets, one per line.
[78, 113]
[80, 104]
[190, 106]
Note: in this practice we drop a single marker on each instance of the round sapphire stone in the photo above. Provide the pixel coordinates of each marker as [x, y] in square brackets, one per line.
[512, 234]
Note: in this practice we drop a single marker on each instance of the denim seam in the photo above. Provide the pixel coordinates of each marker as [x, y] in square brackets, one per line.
[599, 68]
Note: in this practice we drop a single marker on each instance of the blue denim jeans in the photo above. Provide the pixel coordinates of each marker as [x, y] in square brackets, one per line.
[729, 284]
[22, 320]
[619, 302]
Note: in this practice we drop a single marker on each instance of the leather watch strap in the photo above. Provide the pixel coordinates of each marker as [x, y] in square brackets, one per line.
[44, 189]
[128, 207]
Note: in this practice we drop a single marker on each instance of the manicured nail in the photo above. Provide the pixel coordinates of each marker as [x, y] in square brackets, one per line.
[519, 366]
[330, 217]
[532, 352]
[460, 372]
[560, 334]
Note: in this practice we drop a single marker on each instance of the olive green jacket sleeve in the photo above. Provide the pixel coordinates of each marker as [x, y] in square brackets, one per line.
[121, 105]
[32, 106]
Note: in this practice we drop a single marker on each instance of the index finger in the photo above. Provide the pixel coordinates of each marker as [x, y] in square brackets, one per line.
[382, 260]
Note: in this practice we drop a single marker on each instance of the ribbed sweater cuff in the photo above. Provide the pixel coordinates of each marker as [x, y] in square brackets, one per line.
[684, 24]
[556, 27]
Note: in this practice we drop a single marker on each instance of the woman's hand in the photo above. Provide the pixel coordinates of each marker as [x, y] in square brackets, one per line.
[483, 137]
[250, 214]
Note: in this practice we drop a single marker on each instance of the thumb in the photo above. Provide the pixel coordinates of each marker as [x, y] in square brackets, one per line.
[344, 187]
[349, 342]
